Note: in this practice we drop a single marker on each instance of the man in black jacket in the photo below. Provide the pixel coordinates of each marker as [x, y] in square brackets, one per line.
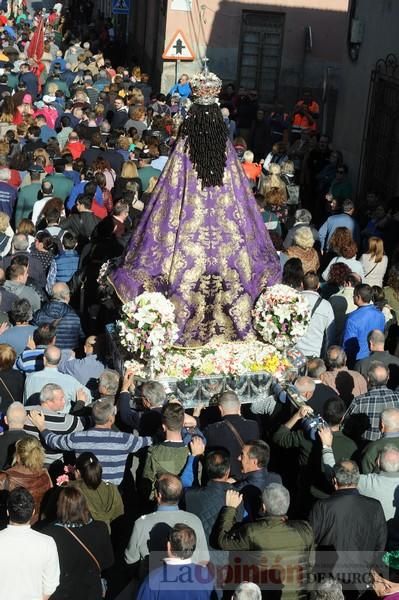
[254, 459]
[351, 526]
[232, 432]
[82, 223]
[206, 502]
[15, 419]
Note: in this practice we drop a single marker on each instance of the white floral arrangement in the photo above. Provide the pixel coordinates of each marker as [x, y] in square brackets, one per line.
[148, 327]
[281, 316]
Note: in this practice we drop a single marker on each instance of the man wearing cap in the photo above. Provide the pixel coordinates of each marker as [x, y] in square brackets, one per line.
[27, 195]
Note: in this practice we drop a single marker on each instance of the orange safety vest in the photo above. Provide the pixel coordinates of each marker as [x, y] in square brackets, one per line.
[302, 121]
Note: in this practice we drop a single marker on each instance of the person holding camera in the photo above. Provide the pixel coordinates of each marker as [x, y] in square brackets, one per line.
[301, 431]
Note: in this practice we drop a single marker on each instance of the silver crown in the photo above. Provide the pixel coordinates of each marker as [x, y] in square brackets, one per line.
[206, 86]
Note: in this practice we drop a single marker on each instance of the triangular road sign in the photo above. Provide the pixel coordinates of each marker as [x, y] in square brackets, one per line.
[120, 7]
[178, 48]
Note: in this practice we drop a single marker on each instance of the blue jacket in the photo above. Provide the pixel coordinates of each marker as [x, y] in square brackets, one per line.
[69, 330]
[357, 326]
[340, 220]
[184, 90]
[67, 264]
[79, 189]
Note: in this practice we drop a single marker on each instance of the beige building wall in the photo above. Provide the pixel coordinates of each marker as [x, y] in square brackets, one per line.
[214, 28]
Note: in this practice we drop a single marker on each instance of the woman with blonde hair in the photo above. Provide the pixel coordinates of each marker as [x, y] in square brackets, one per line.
[42, 152]
[100, 113]
[28, 471]
[135, 98]
[273, 181]
[374, 262]
[129, 173]
[304, 250]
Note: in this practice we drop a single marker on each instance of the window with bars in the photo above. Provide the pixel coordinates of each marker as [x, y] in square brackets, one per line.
[260, 53]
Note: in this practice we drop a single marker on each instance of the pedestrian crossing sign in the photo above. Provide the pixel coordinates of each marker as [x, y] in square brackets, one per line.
[120, 7]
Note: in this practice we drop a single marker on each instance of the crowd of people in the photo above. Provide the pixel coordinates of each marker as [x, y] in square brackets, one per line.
[111, 489]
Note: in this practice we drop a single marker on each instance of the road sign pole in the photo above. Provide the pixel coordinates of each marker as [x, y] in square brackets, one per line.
[177, 63]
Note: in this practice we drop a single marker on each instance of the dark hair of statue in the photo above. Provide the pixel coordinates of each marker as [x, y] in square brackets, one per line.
[206, 141]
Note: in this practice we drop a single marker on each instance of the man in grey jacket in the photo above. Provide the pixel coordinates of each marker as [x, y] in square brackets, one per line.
[147, 544]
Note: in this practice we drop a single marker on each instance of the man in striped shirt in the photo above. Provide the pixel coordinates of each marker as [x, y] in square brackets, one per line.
[111, 447]
[52, 407]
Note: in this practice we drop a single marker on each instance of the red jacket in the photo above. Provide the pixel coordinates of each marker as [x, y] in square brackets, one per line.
[75, 148]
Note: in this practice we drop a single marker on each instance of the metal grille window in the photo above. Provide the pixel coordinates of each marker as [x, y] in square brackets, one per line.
[260, 55]
[380, 151]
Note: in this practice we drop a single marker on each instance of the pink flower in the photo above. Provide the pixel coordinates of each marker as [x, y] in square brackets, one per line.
[61, 479]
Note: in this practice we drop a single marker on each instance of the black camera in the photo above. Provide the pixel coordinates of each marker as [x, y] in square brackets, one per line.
[311, 425]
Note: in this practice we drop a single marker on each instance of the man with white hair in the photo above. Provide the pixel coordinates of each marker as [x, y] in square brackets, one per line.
[247, 591]
[69, 328]
[303, 218]
[52, 406]
[15, 419]
[272, 534]
[8, 193]
[230, 124]
[382, 485]
[389, 427]
[232, 431]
